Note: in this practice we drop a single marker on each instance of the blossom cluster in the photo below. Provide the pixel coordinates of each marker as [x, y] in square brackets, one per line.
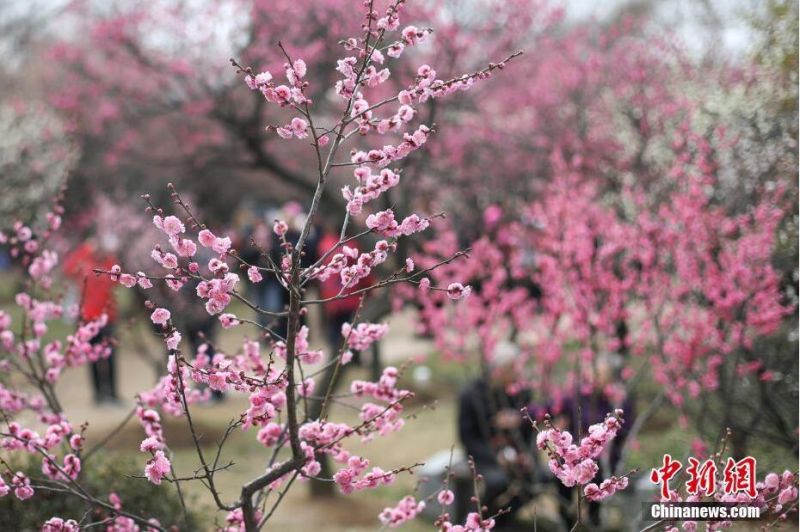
[302, 350]
[352, 266]
[575, 464]
[158, 466]
[473, 522]
[66, 469]
[363, 335]
[25, 244]
[387, 154]
[406, 510]
[384, 223]
[283, 95]
[370, 187]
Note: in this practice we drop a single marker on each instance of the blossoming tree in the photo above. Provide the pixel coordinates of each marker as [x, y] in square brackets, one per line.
[645, 258]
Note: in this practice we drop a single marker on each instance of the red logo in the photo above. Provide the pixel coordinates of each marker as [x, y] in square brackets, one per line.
[664, 474]
[737, 477]
[702, 477]
[740, 476]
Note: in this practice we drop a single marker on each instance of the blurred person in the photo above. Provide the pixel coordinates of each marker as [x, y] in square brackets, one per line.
[277, 298]
[337, 312]
[96, 299]
[334, 314]
[294, 215]
[197, 325]
[608, 394]
[494, 432]
[576, 416]
[268, 294]
[5, 259]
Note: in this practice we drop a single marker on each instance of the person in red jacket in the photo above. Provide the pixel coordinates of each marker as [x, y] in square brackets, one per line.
[337, 311]
[97, 298]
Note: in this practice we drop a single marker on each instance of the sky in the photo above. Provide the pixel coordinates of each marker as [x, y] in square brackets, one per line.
[700, 24]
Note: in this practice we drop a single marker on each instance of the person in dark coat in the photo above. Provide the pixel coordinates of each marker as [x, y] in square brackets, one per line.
[495, 434]
[577, 416]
